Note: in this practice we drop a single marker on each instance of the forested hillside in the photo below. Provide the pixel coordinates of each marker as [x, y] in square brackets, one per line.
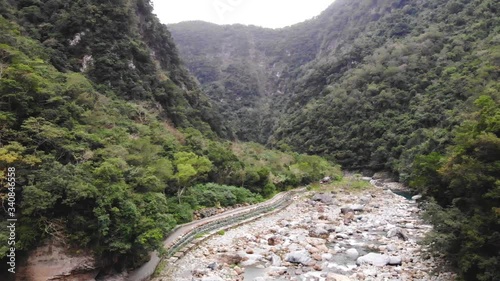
[112, 141]
[410, 87]
[234, 65]
[121, 45]
[362, 82]
[390, 93]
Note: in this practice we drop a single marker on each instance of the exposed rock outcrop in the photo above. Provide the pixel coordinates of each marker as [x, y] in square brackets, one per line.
[53, 260]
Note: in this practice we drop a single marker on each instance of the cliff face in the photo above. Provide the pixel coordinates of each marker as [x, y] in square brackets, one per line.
[54, 260]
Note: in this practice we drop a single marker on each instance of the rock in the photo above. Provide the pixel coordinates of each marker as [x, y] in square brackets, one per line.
[366, 178]
[207, 212]
[373, 259]
[391, 248]
[352, 253]
[409, 225]
[348, 218]
[238, 270]
[325, 180]
[212, 278]
[230, 258]
[249, 251]
[365, 199]
[313, 250]
[323, 198]
[395, 260]
[370, 272]
[272, 241]
[213, 265]
[336, 277]
[319, 232]
[396, 231]
[352, 208]
[380, 176]
[275, 260]
[317, 257]
[416, 197]
[324, 218]
[326, 257]
[322, 248]
[357, 207]
[277, 270]
[251, 259]
[346, 210]
[199, 272]
[301, 257]
[315, 241]
[341, 236]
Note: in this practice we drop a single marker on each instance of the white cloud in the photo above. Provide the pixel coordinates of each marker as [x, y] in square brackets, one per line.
[267, 13]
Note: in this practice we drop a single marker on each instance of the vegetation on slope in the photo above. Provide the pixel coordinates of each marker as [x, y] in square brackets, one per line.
[234, 66]
[121, 46]
[388, 97]
[369, 83]
[464, 188]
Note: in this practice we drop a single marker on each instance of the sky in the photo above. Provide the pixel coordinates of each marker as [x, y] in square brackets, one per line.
[265, 13]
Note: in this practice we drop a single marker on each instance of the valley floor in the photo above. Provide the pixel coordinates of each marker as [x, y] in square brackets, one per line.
[334, 235]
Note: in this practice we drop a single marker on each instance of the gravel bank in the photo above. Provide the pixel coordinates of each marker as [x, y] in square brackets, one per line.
[342, 235]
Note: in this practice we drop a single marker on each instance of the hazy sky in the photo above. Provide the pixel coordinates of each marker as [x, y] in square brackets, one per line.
[266, 13]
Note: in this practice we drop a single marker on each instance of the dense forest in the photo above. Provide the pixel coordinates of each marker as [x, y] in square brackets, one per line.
[410, 87]
[112, 141]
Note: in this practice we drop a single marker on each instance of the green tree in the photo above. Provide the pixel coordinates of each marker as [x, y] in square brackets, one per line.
[189, 168]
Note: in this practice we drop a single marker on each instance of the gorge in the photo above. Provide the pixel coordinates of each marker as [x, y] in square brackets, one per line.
[120, 128]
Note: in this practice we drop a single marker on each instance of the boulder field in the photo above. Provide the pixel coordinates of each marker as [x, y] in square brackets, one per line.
[339, 235]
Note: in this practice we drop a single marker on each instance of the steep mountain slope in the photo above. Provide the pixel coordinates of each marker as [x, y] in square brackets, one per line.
[235, 66]
[389, 93]
[107, 142]
[361, 82]
[122, 45]
[242, 68]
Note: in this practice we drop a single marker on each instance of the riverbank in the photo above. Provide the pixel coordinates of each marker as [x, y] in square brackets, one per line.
[338, 234]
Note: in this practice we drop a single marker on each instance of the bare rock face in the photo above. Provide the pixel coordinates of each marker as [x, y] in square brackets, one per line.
[55, 261]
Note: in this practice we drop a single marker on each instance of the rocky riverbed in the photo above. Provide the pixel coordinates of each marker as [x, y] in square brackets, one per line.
[331, 235]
